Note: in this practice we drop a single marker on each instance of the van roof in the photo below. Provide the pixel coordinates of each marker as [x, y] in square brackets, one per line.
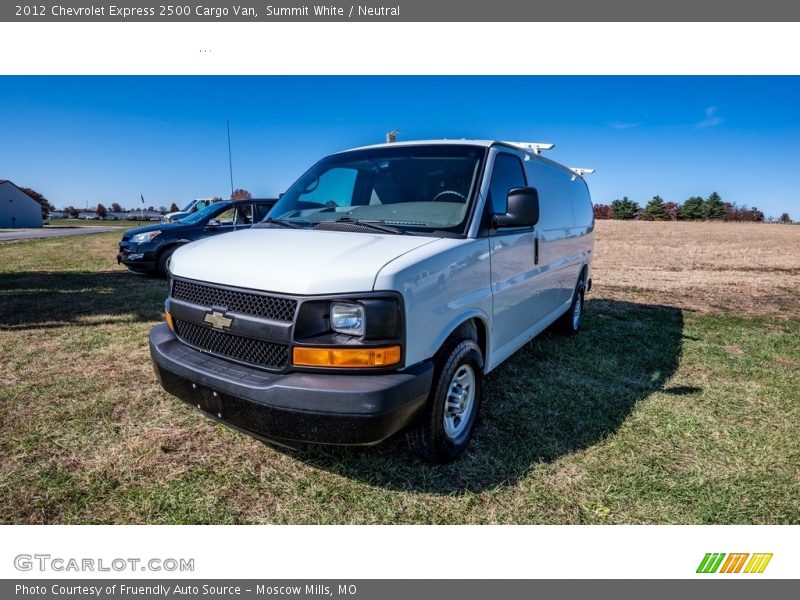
[519, 146]
[460, 142]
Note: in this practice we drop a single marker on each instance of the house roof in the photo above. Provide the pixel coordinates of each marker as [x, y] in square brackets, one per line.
[2, 181]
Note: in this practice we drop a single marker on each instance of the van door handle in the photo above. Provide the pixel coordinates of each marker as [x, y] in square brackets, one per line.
[536, 250]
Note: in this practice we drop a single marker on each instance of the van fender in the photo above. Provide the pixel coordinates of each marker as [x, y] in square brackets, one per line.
[454, 324]
[583, 282]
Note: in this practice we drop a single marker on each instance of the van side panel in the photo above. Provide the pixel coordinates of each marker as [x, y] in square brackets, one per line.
[582, 234]
[555, 225]
[581, 203]
[443, 284]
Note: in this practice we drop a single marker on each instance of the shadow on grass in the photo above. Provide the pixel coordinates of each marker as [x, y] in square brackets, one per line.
[32, 300]
[555, 396]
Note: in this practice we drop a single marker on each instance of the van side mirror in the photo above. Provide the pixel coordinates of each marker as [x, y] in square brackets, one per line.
[523, 209]
[213, 223]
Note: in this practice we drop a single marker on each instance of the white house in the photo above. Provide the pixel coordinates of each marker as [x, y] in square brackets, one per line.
[17, 209]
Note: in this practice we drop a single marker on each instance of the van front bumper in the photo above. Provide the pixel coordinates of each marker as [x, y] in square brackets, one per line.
[347, 408]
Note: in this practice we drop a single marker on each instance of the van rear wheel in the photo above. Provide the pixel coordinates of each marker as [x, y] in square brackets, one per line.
[570, 322]
[445, 428]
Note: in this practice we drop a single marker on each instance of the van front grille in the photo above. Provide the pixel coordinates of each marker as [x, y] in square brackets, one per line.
[262, 306]
[266, 355]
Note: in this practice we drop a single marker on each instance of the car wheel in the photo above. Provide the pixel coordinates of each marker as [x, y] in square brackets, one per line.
[445, 428]
[162, 266]
[570, 322]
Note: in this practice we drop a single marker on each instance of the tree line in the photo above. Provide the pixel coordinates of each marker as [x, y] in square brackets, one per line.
[101, 210]
[695, 208]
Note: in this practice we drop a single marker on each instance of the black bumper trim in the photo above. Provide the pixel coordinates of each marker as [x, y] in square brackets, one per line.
[346, 408]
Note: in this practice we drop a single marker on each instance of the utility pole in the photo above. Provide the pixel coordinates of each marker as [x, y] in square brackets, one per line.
[230, 159]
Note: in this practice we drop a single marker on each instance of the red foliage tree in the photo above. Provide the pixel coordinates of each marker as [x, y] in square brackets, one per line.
[602, 211]
[734, 212]
[672, 210]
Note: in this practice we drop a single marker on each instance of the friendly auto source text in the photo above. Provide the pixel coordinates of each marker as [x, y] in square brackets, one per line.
[200, 10]
[185, 590]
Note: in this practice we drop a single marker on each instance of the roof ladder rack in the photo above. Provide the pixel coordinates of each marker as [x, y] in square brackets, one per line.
[535, 147]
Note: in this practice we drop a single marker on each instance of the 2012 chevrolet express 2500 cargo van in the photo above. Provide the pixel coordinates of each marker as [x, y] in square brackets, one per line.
[382, 287]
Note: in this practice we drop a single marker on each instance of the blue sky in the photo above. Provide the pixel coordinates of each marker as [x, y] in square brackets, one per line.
[84, 140]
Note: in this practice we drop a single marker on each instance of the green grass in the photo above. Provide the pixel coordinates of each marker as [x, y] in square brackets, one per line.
[653, 414]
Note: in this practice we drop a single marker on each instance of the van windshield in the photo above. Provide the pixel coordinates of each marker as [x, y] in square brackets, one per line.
[410, 187]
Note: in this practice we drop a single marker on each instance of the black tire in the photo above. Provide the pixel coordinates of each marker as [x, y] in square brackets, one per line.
[162, 265]
[569, 323]
[429, 437]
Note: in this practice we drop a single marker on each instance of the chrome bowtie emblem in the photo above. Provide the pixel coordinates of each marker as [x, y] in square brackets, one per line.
[218, 320]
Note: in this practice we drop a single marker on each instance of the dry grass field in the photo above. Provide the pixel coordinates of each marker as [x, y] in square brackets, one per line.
[678, 403]
[743, 268]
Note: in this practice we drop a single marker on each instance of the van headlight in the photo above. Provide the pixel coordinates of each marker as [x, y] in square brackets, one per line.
[348, 318]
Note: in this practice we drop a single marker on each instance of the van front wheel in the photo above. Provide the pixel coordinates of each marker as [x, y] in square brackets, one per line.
[446, 426]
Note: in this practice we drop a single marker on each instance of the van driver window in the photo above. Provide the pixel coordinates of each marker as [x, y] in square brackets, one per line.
[506, 175]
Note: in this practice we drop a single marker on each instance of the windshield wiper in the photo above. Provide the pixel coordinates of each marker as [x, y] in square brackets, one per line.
[374, 225]
[281, 223]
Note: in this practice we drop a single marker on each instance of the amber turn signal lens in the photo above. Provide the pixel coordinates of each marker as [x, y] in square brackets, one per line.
[346, 357]
[168, 319]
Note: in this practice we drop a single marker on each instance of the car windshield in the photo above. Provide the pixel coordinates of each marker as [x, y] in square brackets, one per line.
[421, 188]
[205, 213]
[188, 206]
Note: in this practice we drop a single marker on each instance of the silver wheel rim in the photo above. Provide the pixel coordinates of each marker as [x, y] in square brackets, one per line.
[576, 312]
[459, 402]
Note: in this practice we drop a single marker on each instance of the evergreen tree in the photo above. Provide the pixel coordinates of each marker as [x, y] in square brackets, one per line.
[655, 210]
[691, 209]
[713, 207]
[624, 209]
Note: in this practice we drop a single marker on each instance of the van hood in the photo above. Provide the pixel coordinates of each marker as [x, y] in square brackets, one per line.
[293, 261]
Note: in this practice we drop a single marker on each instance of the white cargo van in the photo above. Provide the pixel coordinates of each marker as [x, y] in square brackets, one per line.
[382, 287]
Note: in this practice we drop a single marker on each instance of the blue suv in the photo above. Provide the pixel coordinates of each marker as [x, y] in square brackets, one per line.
[148, 249]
